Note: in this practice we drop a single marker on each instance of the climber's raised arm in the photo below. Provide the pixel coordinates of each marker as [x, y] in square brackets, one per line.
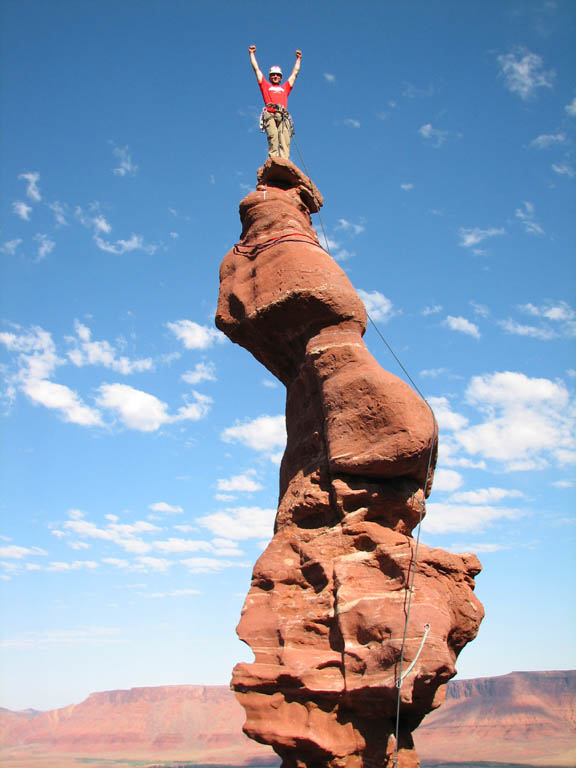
[296, 69]
[255, 67]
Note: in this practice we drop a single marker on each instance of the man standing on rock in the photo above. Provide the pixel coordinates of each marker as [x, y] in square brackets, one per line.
[276, 120]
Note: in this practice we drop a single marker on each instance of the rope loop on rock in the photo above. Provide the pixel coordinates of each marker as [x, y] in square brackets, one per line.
[253, 249]
[415, 659]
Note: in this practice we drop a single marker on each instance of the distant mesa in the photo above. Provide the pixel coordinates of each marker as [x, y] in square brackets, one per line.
[525, 718]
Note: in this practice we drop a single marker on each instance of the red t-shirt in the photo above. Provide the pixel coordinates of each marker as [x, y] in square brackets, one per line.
[275, 94]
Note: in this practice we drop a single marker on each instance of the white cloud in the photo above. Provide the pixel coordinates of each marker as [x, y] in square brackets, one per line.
[434, 373]
[76, 565]
[88, 352]
[334, 247]
[226, 547]
[449, 455]
[173, 545]
[97, 222]
[32, 190]
[135, 243]
[464, 518]
[263, 433]
[462, 325]
[384, 114]
[38, 358]
[349, 226]
[432, 310]
[470, 237]
[11, 246]
[571, 108]
[479, 547]
[523, 73]
[22, 210]
[45, 245]
[142, 564]
[117, 562]
[559, 311]
[242, 483]
[127, 536]
[378, 306]
[145, 412]
[173, 593]
[435, 136]
[564, 170]
[329, 78]
[60, 213]
[210, 565]
[480, 309]
[202, 372]
[165, 509]
[63, 399]
[557, 319]
[194, 411]
[195, 336]
[521, 329]
[127, 166]
[445, 416]
[546, 140]
[78, 545]
[352, 122]
[527, 421]
[84, 636]
[511, 389]
[12, 551]
[486, 495]
[406, 187]
[416, 92]
[447, 480]
[224, 496]
[240, 523]
[526, 216]
[152, 564]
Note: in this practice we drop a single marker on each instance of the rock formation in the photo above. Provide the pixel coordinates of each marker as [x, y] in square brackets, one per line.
[326, 611]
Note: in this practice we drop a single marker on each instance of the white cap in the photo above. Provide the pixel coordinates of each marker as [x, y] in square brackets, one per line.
[275, 71]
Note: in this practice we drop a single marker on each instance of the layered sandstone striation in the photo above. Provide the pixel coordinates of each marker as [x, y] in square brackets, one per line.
[326, 611]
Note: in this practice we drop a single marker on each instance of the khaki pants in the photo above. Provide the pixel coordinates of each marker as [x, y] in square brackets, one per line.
[278, 134]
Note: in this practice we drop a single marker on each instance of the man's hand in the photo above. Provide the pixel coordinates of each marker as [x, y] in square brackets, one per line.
[255, 67]
[298, 54]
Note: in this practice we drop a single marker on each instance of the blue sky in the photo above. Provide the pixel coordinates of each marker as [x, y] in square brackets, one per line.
[141, 448]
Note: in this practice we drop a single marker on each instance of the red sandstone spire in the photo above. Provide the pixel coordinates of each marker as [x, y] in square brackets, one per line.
[326, 612]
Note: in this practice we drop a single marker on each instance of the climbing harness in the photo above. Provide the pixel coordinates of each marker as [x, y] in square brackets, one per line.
[400, 675]
[282, 112]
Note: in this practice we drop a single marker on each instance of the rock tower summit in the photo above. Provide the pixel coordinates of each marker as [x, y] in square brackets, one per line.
[326, 611]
